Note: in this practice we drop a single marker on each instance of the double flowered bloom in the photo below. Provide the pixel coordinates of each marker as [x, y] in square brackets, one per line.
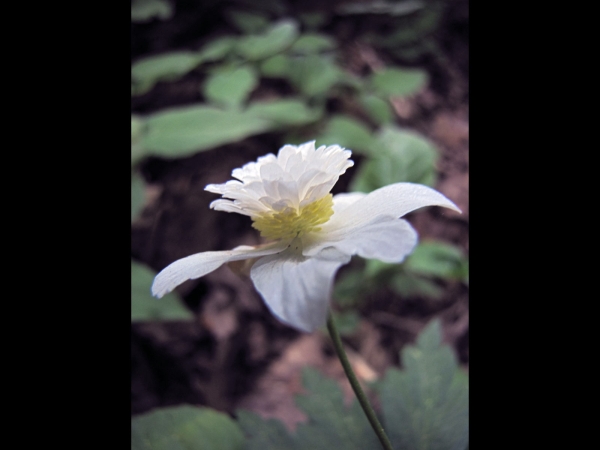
[311, 232]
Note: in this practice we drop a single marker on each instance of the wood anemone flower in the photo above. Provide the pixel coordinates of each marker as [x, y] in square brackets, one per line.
[310, 232]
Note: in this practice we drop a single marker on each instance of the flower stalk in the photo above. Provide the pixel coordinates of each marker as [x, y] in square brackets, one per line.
[362, 398]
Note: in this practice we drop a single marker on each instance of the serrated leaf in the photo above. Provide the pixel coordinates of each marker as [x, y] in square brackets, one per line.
[265, 434]
[330, 425]
[347, 132]
[144, 307]
[138, 189]
[311, 43]
[276, 39]
[399, 156]
[248, 22]
[285, 112]
[398, 82]
[166, 67]
[230, 86]
[437, 259]
[185, 428]
[146, 10]
[425, 406]
[182, 131]
[379, 110]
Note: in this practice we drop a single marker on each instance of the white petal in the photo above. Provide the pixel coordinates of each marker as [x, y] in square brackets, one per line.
[297, 290]
[394, 200]
[385, 238]
[342, 201]
[198, 265]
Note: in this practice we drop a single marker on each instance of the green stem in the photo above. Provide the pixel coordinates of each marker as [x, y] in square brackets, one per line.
[362, 398]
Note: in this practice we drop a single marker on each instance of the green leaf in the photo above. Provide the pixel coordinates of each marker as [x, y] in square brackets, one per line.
[398, 82]
[137, 194]
[145, 73]
[248, 22]
[311, 43]
[426, 405]
[185, 428]
[276, 39]
[331, 425]
[137, 132]
[217, 49]
[375, 268]
[411, 285]
[230, 86]
[277, 66]
[437, 259]
[146, 10]
[265, 434]
[398, 8]
[399, 156]
[347, 132]
[144, 307]
[183, 131]
[379, 110]
[285, 112]
[312, 20]
[314, 75]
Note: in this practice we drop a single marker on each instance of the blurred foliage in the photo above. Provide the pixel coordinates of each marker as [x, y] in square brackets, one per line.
[393, 8]
[397, 82]
[274, 40]
[230, 86]
[233, 69]
[185, 427]
[144, 307]
[431, 263]
[146, 10]
[146, 72]
[396, 156]
[137, 194]
[347, 322]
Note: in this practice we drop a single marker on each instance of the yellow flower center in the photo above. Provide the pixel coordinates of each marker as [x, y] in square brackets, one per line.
[292, 223]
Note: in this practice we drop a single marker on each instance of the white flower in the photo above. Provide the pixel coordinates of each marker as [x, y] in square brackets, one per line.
[312, 233]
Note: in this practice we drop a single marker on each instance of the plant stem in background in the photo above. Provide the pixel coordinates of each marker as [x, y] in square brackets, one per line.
[362, 398]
